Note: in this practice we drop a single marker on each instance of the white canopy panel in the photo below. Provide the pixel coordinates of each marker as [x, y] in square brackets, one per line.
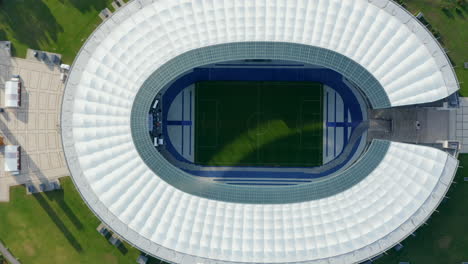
[166, 222]
[358, 223]
[11, 158]
[380, 36]
[12, 93]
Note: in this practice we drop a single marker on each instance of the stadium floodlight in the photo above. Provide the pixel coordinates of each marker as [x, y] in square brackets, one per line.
[391, 190]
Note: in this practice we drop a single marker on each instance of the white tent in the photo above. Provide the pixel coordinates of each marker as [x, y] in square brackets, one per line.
[12, 93]
[12, 158]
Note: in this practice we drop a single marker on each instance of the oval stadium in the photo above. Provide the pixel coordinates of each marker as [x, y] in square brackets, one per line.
[262, 131]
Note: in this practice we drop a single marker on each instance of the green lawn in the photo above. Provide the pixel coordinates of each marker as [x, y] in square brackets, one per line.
[59, 26]
[258, 123]
[453, 28]
[56, 227]
[445, 239]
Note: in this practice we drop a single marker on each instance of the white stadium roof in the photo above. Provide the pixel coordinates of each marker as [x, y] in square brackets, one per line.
[350, 226]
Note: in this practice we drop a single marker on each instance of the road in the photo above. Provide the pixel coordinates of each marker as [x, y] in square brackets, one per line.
[6, 253]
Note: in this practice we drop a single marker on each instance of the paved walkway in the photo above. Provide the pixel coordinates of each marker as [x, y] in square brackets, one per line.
[6, 253]
[462, 124]
[435, 124]
[35, 125]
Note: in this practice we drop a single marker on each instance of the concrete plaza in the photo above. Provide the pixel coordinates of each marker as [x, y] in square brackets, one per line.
[462, 124]
[34, 125]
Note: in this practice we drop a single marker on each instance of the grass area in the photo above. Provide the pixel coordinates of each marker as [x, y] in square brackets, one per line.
[258, 123]
[59, 26]
[56, 227]
[444, 239]
[453, 27]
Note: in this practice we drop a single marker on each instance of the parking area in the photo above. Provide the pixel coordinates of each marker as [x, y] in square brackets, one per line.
[34, 126]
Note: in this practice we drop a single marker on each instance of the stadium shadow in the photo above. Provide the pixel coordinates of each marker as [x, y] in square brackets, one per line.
[245, 150]
[58, 196]
[122, 248]
[57, 221]
[152, 260]
[51, 212]
[279, 153]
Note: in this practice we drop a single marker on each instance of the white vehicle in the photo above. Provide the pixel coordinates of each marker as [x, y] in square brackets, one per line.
[13, 92]
[12, 159]
[65, 67]
[155, 104]
[158, 141]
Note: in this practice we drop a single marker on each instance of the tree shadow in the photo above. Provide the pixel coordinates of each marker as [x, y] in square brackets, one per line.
[89, 5]
[3, 35]
[35, 26]
[460, 13]
[464, 5]
[448, 13]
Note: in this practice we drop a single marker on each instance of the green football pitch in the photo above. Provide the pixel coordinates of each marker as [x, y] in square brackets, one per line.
[252, 123]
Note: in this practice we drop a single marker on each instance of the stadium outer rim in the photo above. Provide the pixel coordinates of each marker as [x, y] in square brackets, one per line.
[169, 255]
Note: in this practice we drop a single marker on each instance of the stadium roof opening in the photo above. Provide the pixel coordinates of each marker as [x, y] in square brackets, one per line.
[345, 217]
